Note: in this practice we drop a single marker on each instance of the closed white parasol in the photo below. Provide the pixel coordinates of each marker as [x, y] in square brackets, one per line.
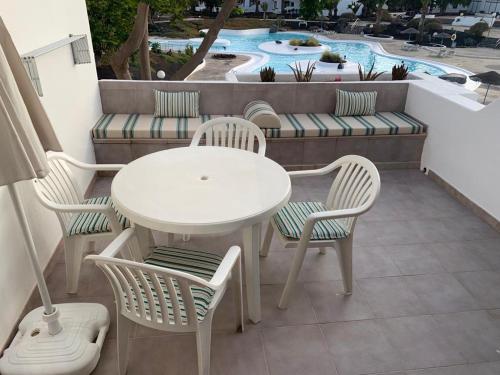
[53, 339]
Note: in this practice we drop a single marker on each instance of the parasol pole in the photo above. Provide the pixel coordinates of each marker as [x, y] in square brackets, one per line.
[50, 313]
[485, 95]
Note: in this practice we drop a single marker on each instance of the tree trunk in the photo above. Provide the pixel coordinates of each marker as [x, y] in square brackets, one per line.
[144, 56]
[421, 24]
[208, 40]
[119, 60]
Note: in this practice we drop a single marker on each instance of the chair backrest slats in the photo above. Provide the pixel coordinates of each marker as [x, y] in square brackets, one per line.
[174, 300]
[145, 286]
[231, 132]
[356, 185]
[60, 186]
[162, 298]
[136, 289]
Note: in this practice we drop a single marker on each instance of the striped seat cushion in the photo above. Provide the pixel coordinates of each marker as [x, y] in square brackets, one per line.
[94, 222]
[177, 104]
[262, 114]
[291, 218]
[355, 103]
[146, 126]
[197, 263]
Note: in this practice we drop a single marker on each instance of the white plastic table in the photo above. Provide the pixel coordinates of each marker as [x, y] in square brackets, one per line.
[205, 190]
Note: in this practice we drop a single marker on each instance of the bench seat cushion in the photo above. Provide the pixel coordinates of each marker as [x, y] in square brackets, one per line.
[145, 126]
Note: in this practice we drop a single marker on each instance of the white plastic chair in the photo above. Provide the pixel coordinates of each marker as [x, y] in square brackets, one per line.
[158, 293]
[83, 221]
[231, 132]
[313, 225]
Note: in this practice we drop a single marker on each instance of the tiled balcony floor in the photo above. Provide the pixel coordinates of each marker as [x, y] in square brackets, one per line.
[426, 299]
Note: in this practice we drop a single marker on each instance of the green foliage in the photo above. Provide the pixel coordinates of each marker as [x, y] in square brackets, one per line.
[110, 23]
[267, 74]
[431, 25]
[237, 12]
[202, 33]
[478, 29]
[155, 47]
[311, 42]
[264, 6]
[399, 72]
[370, 76]
[189, 50]
[348, 16]
[354, 6]
[303, 75]
[330, 57]
[310, 9]
[210, 4]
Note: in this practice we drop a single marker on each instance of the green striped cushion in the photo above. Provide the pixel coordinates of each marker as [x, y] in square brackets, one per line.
[262, 114]
[177, 104]
[198, 263]
[146, 126]
[94, 222]
[291, 218]
[355, 103]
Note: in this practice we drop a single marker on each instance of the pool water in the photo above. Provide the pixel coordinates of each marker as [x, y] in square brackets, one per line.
[354, 51]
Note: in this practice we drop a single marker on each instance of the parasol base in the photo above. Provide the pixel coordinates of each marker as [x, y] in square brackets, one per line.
[75, 350]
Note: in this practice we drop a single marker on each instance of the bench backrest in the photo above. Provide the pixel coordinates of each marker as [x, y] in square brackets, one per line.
[230, 98]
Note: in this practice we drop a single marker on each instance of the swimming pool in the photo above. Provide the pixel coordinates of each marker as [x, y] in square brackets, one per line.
[357, 52]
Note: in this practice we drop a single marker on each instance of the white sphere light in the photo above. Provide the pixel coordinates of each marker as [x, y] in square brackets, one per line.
[160, 74]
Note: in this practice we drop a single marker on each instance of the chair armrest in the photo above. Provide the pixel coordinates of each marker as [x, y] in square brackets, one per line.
[115, 246]
[224, 270]
[68, 208]
[86, 166]
[313, 218]
[317, 172]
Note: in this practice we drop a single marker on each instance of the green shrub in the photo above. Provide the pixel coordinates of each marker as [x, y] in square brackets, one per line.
[399, 72]
[478, 29]
[431, 25]
[311, 42]
[267, 74]
[237, 12]
[155, 47]
[189, 50]
[330, 57]
[202, 33]
[348, 16]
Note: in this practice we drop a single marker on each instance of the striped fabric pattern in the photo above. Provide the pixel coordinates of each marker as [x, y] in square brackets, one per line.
[177, 104]
[198, 263]
[290, 222]
[261, 114]
[94, 222]
[146, 126]
[355, 103]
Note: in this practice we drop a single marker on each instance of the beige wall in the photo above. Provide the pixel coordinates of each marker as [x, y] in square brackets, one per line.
[71, 99]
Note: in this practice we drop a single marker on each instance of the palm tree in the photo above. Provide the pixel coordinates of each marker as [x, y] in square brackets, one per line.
[423, 11]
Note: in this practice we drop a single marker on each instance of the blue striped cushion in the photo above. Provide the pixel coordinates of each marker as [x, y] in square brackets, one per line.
[290, 222]
[355, 103]
[197, 263]
[94, 222]
[177, 104]
[145, 126]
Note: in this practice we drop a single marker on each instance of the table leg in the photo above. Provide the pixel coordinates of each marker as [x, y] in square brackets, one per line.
[145, 238]
[251, 249]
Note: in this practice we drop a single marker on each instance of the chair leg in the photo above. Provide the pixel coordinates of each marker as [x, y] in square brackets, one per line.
[74, 248]
[293, 275]
[322, 250]
[264, 250]
[344, 254]
[203, 342]
[124, 327]
[238, 296]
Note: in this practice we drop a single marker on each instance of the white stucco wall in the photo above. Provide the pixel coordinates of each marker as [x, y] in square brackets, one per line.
[71, 99]
[463, 141]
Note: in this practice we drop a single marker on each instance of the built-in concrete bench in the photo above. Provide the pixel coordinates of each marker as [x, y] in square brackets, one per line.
[310, 135]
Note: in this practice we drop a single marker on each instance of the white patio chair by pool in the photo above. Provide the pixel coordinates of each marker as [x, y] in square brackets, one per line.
[231, 132]
[83, 221]
[173, 290]
[304, 225]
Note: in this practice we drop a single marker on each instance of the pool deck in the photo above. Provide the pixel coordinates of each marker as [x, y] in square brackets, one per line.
[471, 59]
